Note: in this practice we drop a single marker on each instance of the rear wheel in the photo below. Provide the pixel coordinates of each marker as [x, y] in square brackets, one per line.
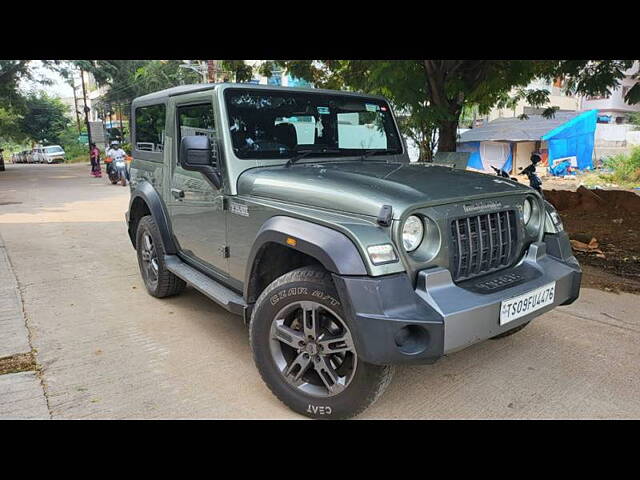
[304, 349]
[159, 281]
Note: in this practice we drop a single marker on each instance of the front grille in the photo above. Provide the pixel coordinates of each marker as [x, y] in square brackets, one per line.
[483, 243]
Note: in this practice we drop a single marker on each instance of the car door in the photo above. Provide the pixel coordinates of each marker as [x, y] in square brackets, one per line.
[196, 207]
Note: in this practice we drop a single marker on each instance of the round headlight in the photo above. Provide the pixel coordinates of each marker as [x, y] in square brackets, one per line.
[526, 210]
[412, 233]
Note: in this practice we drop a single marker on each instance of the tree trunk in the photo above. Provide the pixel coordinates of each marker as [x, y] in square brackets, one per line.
[448, 136]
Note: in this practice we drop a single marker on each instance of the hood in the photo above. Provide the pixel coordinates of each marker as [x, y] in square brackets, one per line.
[363, 187]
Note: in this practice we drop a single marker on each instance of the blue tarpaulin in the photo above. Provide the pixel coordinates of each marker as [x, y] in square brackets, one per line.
[568, 134]
[475, 160]
[574, 138]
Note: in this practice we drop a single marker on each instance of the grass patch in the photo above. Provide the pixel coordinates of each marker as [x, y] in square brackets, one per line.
[84, 158]
[21, 362]
[624, 170]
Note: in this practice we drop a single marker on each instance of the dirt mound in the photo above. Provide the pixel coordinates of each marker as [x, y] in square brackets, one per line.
[604, 228]
[602, 202]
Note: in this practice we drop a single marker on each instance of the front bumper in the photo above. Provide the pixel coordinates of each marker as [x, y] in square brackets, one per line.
[395, 323]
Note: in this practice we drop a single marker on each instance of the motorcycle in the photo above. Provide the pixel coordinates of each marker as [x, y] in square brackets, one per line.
[534, 180]
[117, 170]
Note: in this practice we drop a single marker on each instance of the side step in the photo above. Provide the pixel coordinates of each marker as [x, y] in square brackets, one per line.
[212, 289]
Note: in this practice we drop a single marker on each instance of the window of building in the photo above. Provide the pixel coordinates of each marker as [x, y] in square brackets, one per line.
[150, 128]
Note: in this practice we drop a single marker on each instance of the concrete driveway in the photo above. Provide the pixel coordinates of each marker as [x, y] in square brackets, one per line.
[109, 350]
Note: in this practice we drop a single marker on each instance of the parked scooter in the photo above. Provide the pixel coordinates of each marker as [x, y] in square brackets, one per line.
[534, 180]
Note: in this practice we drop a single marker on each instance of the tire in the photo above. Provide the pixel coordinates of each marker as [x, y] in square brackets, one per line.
[159, 281]
[311, 289]
[508, 333]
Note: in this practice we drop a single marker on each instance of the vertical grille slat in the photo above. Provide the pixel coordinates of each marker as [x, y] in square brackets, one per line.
[459, 237]
[482, 243]
[470, 239]
[490, 239]
[509, 244]
[480, 234]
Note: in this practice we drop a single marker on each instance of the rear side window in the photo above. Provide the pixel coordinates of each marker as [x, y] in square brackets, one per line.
[150, 128]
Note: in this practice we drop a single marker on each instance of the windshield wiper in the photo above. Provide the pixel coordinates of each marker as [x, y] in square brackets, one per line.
[299, 154]
[305, 153]
[368, 153]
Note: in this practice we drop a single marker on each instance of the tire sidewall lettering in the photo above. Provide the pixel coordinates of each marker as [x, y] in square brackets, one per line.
[319, 409]
[280, 295]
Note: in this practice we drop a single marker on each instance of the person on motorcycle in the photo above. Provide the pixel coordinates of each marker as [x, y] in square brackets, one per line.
[117, 154]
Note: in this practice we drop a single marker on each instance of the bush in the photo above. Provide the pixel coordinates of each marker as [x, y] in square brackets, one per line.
[84, 157]
[626, 168]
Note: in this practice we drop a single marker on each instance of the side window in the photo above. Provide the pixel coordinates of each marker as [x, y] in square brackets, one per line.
[150, 128]
[196, 120]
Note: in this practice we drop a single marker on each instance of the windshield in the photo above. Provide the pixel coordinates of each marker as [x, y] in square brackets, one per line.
[55, 149]
[281, 124]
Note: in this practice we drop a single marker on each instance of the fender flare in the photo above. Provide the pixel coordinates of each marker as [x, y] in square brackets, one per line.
[149, 195]
[333, 249]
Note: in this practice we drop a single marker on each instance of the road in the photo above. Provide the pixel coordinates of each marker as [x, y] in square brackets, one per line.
[109, 350]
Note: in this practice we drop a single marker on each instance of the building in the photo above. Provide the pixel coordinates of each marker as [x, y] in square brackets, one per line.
[278, 77]
[612, 107]
[558, 99]
[507, 143]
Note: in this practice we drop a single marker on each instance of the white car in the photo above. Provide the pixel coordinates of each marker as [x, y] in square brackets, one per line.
[53, 154]
[36, 155]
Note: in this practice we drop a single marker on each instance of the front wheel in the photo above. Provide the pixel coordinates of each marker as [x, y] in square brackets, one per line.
[160, 282]
[303, 347]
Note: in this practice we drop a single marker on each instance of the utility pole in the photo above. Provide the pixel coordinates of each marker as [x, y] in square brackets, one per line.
[121, 129]
[75, 105]
[86, 110]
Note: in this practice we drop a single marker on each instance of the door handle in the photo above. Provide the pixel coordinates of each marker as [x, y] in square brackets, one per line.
[177, 193]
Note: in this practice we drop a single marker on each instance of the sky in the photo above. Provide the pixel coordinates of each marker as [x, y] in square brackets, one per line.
[59, 87]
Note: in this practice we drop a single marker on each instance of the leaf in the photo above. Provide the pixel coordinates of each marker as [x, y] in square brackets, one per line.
[633, 95]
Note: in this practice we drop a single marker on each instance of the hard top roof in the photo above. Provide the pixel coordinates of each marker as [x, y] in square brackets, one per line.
[198, 87]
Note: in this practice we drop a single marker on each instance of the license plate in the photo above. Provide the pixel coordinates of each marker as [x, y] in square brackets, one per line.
[526, 303]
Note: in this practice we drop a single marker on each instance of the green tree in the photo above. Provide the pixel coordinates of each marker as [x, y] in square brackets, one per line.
[160, 74]
[45, 119]
[236, 71]
[434, 93]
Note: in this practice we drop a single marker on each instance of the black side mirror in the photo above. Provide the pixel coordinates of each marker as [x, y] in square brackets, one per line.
[197, 155]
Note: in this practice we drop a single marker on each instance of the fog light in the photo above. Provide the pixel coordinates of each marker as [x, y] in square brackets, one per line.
[411, 339]
[379, 254]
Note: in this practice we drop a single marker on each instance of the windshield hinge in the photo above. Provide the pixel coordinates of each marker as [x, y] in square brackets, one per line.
[385, 215]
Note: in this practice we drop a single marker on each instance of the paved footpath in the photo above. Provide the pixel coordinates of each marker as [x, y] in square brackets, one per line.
[21, 394]
[109, 350]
